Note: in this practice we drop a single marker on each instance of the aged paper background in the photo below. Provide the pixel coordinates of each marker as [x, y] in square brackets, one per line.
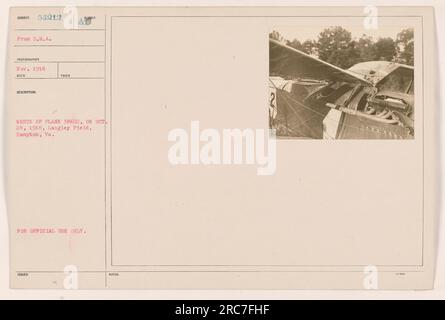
[128, 237]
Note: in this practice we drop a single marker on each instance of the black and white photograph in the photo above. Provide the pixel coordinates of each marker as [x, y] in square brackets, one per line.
[184, 153]
[341, 83]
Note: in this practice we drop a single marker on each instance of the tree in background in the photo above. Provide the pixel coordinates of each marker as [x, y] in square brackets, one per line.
[336, 46]
[385, 49]
[275, 35]
[405, 46]
[366, 48]
[309, 47]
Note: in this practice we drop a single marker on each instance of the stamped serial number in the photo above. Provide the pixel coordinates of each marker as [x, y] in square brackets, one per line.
[49, 17]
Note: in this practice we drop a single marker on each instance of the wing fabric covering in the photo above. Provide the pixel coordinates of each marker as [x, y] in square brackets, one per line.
[296, 119]
[288, 62]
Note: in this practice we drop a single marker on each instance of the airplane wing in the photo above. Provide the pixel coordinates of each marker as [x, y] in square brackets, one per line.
[287, 62]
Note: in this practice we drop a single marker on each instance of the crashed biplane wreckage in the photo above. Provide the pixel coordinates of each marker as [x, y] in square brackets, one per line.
[316, 100]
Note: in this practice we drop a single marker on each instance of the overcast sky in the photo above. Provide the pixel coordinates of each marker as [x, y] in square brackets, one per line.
[303, 33]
